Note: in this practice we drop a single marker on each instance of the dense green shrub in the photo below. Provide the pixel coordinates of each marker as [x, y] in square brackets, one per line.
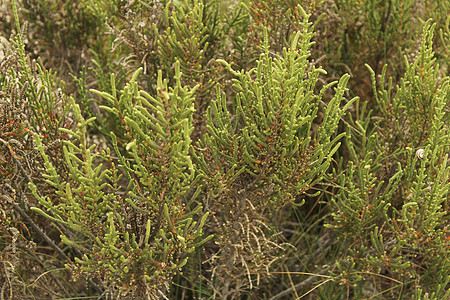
[224, 149]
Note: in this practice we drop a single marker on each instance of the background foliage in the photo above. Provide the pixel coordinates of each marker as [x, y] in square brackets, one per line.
[202, 149]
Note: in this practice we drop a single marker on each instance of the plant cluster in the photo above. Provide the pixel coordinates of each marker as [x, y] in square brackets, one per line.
[224, 149]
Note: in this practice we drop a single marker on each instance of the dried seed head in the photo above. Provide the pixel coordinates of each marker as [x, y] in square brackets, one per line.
[420, 154]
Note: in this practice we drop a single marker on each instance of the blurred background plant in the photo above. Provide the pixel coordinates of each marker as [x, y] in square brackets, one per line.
[374, 221]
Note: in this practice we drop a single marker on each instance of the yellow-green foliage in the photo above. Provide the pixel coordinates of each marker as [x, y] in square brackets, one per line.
[203, 149]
